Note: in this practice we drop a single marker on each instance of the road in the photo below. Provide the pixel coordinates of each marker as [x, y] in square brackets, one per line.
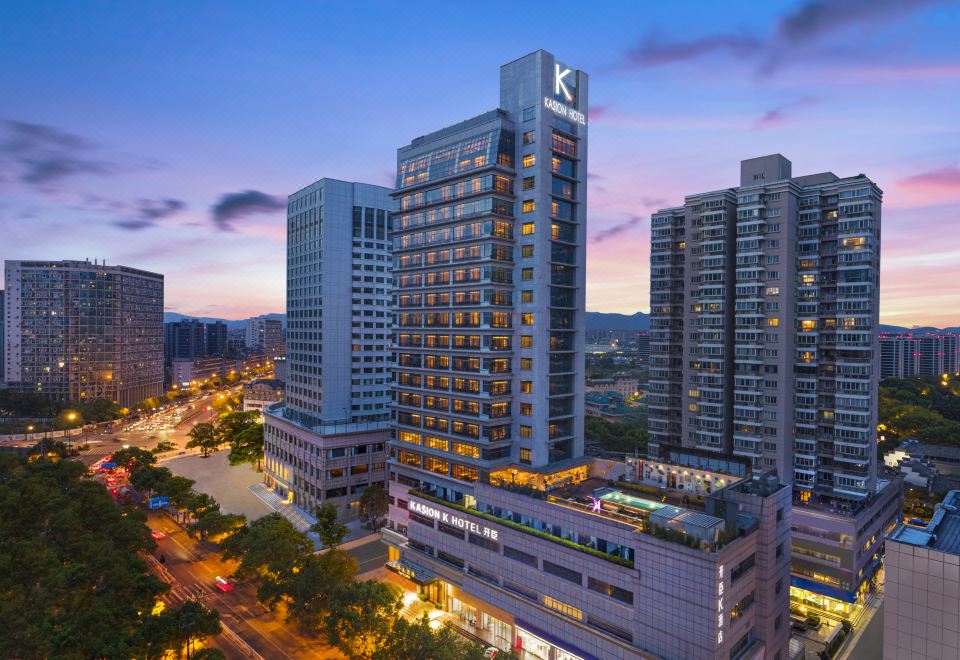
[191, 569]
[103, 443]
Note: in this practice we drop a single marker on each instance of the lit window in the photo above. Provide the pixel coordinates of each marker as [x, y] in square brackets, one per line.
[773, 323]
[526, 431]
[526, 386]
[527, 229]
[529, 160]
[526, 251]
[526, 341]
[525, 455]
[526, 363]
[528, 205]
[526, 409]
[526, 274]
[526, 318]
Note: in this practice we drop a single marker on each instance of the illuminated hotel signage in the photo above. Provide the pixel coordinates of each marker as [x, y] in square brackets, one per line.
[451, 519]
[720, 604]
[562, 89]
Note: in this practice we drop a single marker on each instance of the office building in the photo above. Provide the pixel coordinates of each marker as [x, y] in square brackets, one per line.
[261, 394]
[216, 338]
[764, 317]
[327, 441]
[921, 606]
[80, 331]
[264, 335]
[496, 514]
[185, 339]
[3, 332]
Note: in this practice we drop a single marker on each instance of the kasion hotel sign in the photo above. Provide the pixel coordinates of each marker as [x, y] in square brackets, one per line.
[451, 519]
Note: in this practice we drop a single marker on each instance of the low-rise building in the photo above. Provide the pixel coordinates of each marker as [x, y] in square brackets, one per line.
[921, 609]
[624, 385]
[612, 407]
[838, 546]
[569, 562]
[261, 393]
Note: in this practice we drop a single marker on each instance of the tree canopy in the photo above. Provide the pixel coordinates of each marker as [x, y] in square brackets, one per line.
[926, 408]
[625, 437]
[374, 506]
[204, 436]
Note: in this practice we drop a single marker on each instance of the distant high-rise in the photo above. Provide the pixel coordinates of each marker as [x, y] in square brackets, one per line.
[764, 323]
[186, 338]
[906, 354]
[77, 330]
[216, 337]
[327, 442]
[264, 334]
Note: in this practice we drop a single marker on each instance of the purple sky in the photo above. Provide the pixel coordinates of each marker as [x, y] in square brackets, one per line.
[166, 136]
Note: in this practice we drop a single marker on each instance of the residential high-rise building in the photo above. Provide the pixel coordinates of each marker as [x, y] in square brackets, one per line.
[764, 321]
[264, 334]
[905, 354]
[3, 325]
[81, 331]
[899, 356]
[327, 441]
[496, 515]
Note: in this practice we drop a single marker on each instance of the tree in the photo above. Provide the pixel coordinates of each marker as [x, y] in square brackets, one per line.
[134, 458]
[215, 524]
[204, 436]
[149, 479]
[374, 506]
[231, 424]
[269, 547]
[209, 653]
[247, 446]
[328, 528]
[418, 640]
[307, 592]
[360, 618]
[192, 622]
[73, 581]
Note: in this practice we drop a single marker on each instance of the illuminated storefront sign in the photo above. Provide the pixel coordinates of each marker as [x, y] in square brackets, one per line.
[559, 85]
[720, 604]
[451, 519]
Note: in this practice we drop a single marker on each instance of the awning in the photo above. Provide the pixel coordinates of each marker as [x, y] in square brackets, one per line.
[412, 572]
[547, 637]
[823, 589]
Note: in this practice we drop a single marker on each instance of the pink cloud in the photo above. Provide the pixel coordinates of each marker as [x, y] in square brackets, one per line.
[935, 186]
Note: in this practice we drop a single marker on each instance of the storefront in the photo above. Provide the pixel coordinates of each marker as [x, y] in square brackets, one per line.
[534, 643]
[833, 600]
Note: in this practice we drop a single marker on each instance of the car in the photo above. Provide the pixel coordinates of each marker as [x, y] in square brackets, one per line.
[114, 491]
[222, 585]
[917, 522]
[157, 533]
[491, 652]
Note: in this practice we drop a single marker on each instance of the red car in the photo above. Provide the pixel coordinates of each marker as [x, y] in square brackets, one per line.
[157, 533]
[223, 585]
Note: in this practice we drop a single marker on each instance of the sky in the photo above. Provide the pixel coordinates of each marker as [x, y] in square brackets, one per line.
[167, 135]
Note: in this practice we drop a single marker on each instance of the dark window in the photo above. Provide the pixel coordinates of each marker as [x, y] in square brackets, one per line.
[520, 590]
[779, 515]
[780, 550]
[743, 567]
[740, 645]
[450, 529]
[530, 113]
[423, 520]
[369, 223]
[484, 542]
[519, 555]
[562, 572]
[450, 559]
[357, 222]
[610, 628]
[381, 224]
[607, 589]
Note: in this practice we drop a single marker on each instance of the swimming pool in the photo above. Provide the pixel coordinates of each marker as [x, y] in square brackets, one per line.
[618, 497]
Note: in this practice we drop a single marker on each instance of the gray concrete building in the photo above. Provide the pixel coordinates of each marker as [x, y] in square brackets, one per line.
[496, 515]
[921, 608]
[264, 335]
[80, 331]
[764, 322]
[327, 441]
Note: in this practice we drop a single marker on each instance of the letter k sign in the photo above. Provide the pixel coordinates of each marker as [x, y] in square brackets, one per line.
[559, 85]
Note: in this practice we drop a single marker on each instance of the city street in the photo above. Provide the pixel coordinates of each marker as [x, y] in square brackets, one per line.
[191, 569]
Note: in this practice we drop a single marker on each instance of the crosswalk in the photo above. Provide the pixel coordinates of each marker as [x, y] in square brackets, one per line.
[181, 593]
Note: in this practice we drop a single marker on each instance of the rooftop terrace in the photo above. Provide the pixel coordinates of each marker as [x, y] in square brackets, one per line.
[943, 531]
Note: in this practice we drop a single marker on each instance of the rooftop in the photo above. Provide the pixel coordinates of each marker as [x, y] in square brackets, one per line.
[941, 533]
